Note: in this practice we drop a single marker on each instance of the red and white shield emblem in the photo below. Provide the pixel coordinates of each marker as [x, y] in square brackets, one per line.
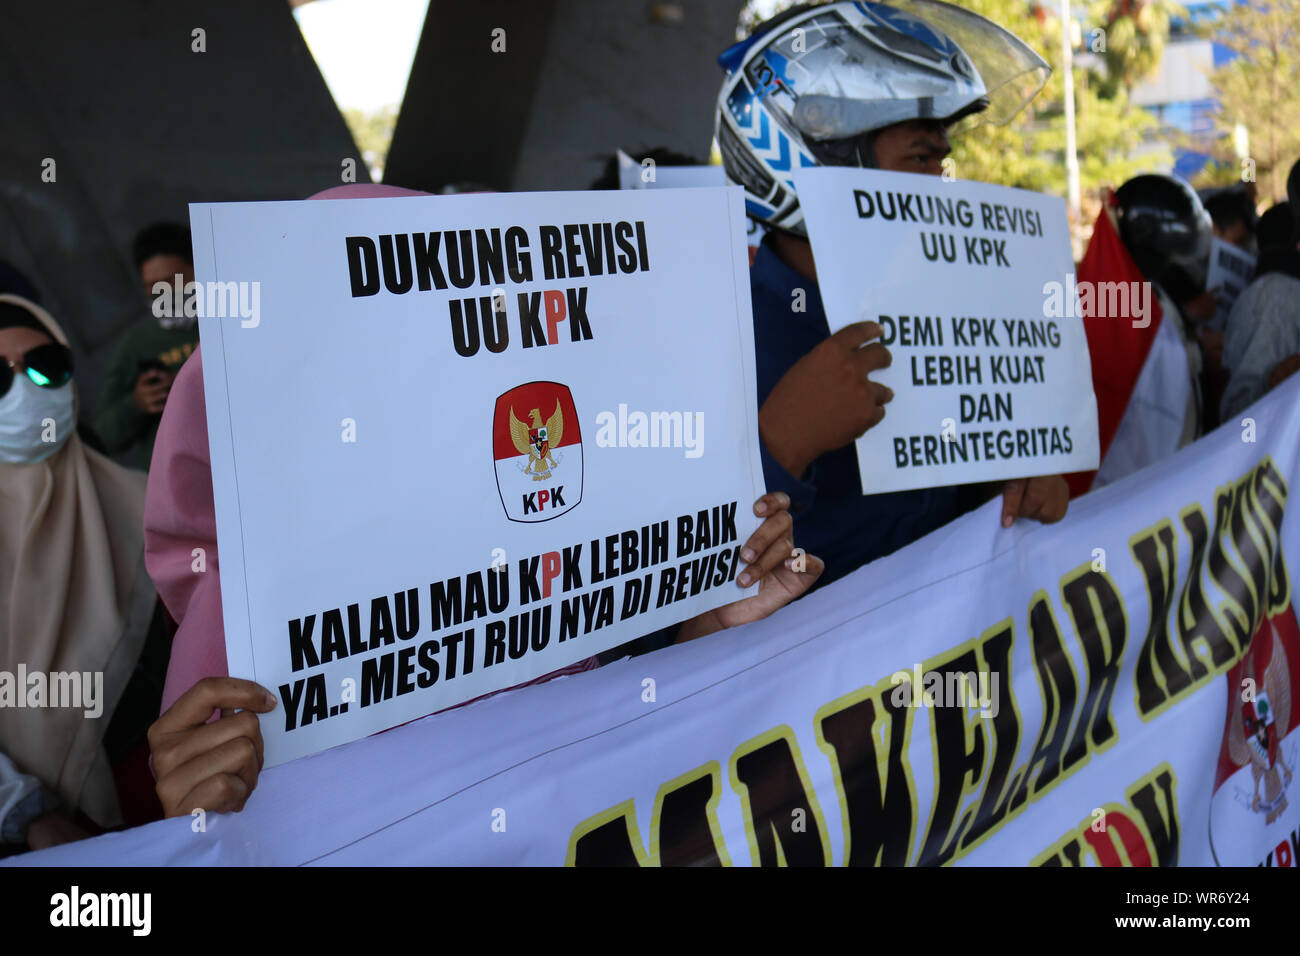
[1256, 807]
[537, 444]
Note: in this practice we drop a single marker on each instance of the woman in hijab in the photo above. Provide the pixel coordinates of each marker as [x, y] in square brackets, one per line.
[75, 597]
[207, 746]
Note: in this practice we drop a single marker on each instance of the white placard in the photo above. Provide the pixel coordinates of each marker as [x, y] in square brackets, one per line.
[1230, 271]
[632, 175]
[974, 286]
[470, 440]
[652, 175]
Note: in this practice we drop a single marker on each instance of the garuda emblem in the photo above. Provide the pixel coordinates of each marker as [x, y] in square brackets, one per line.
[1257, 739]
[536, 440]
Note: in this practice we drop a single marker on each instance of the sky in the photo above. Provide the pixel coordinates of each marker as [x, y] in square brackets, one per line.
[364, 48]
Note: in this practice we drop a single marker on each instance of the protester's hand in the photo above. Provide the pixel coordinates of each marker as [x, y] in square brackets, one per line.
[1284, 370]
[1042, 499]
[151, 388]
[771, 543]
[826, 399]
[1201, 308]
[53, 829]
[214, 766]
[770, 560]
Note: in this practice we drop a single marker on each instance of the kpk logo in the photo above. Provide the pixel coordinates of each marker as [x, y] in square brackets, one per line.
[1253, 804]
[537, 443]
[1263, 721]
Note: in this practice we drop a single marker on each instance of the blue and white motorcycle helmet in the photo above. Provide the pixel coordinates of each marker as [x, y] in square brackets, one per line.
[810, 86]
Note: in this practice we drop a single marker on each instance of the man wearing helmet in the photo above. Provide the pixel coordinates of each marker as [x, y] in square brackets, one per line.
[852, 84]
[1167, 231]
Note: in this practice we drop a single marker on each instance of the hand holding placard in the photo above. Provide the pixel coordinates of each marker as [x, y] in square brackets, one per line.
[827, 399]
[210, 766]
[783, 573]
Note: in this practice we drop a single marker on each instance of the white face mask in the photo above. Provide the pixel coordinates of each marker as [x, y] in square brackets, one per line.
[34, 421]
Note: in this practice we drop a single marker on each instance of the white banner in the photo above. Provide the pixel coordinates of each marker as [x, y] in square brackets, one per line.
[972, 284]
[468, 440]
[1131, 701]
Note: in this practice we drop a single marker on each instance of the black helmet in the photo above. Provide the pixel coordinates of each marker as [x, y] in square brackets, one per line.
[1167, 232]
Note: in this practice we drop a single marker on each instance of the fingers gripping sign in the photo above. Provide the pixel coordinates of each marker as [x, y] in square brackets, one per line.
[783, 572]
[771, 544]
[828, 398]
[208, 764]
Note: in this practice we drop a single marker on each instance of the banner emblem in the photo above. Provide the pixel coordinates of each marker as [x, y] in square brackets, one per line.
[1253, 805]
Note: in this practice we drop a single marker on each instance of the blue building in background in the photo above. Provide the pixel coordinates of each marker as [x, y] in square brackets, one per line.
[1179, 94]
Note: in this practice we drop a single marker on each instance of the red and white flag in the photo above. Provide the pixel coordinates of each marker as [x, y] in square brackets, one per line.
[1140, 372]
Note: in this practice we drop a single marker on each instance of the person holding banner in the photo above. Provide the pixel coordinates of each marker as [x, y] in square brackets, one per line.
[872, 86]
[207, 747]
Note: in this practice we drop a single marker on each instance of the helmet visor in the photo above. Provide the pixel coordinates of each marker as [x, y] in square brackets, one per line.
[916, 59]
[1012, 72]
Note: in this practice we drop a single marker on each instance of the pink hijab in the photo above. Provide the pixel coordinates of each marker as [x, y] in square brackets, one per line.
[180, 518]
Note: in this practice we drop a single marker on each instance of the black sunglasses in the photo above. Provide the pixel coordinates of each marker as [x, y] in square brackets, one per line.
[49, 366]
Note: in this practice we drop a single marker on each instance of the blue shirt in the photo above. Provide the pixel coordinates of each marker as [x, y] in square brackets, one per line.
[832, 518]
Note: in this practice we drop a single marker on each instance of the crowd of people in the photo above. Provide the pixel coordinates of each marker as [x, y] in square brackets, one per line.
[104, 507]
